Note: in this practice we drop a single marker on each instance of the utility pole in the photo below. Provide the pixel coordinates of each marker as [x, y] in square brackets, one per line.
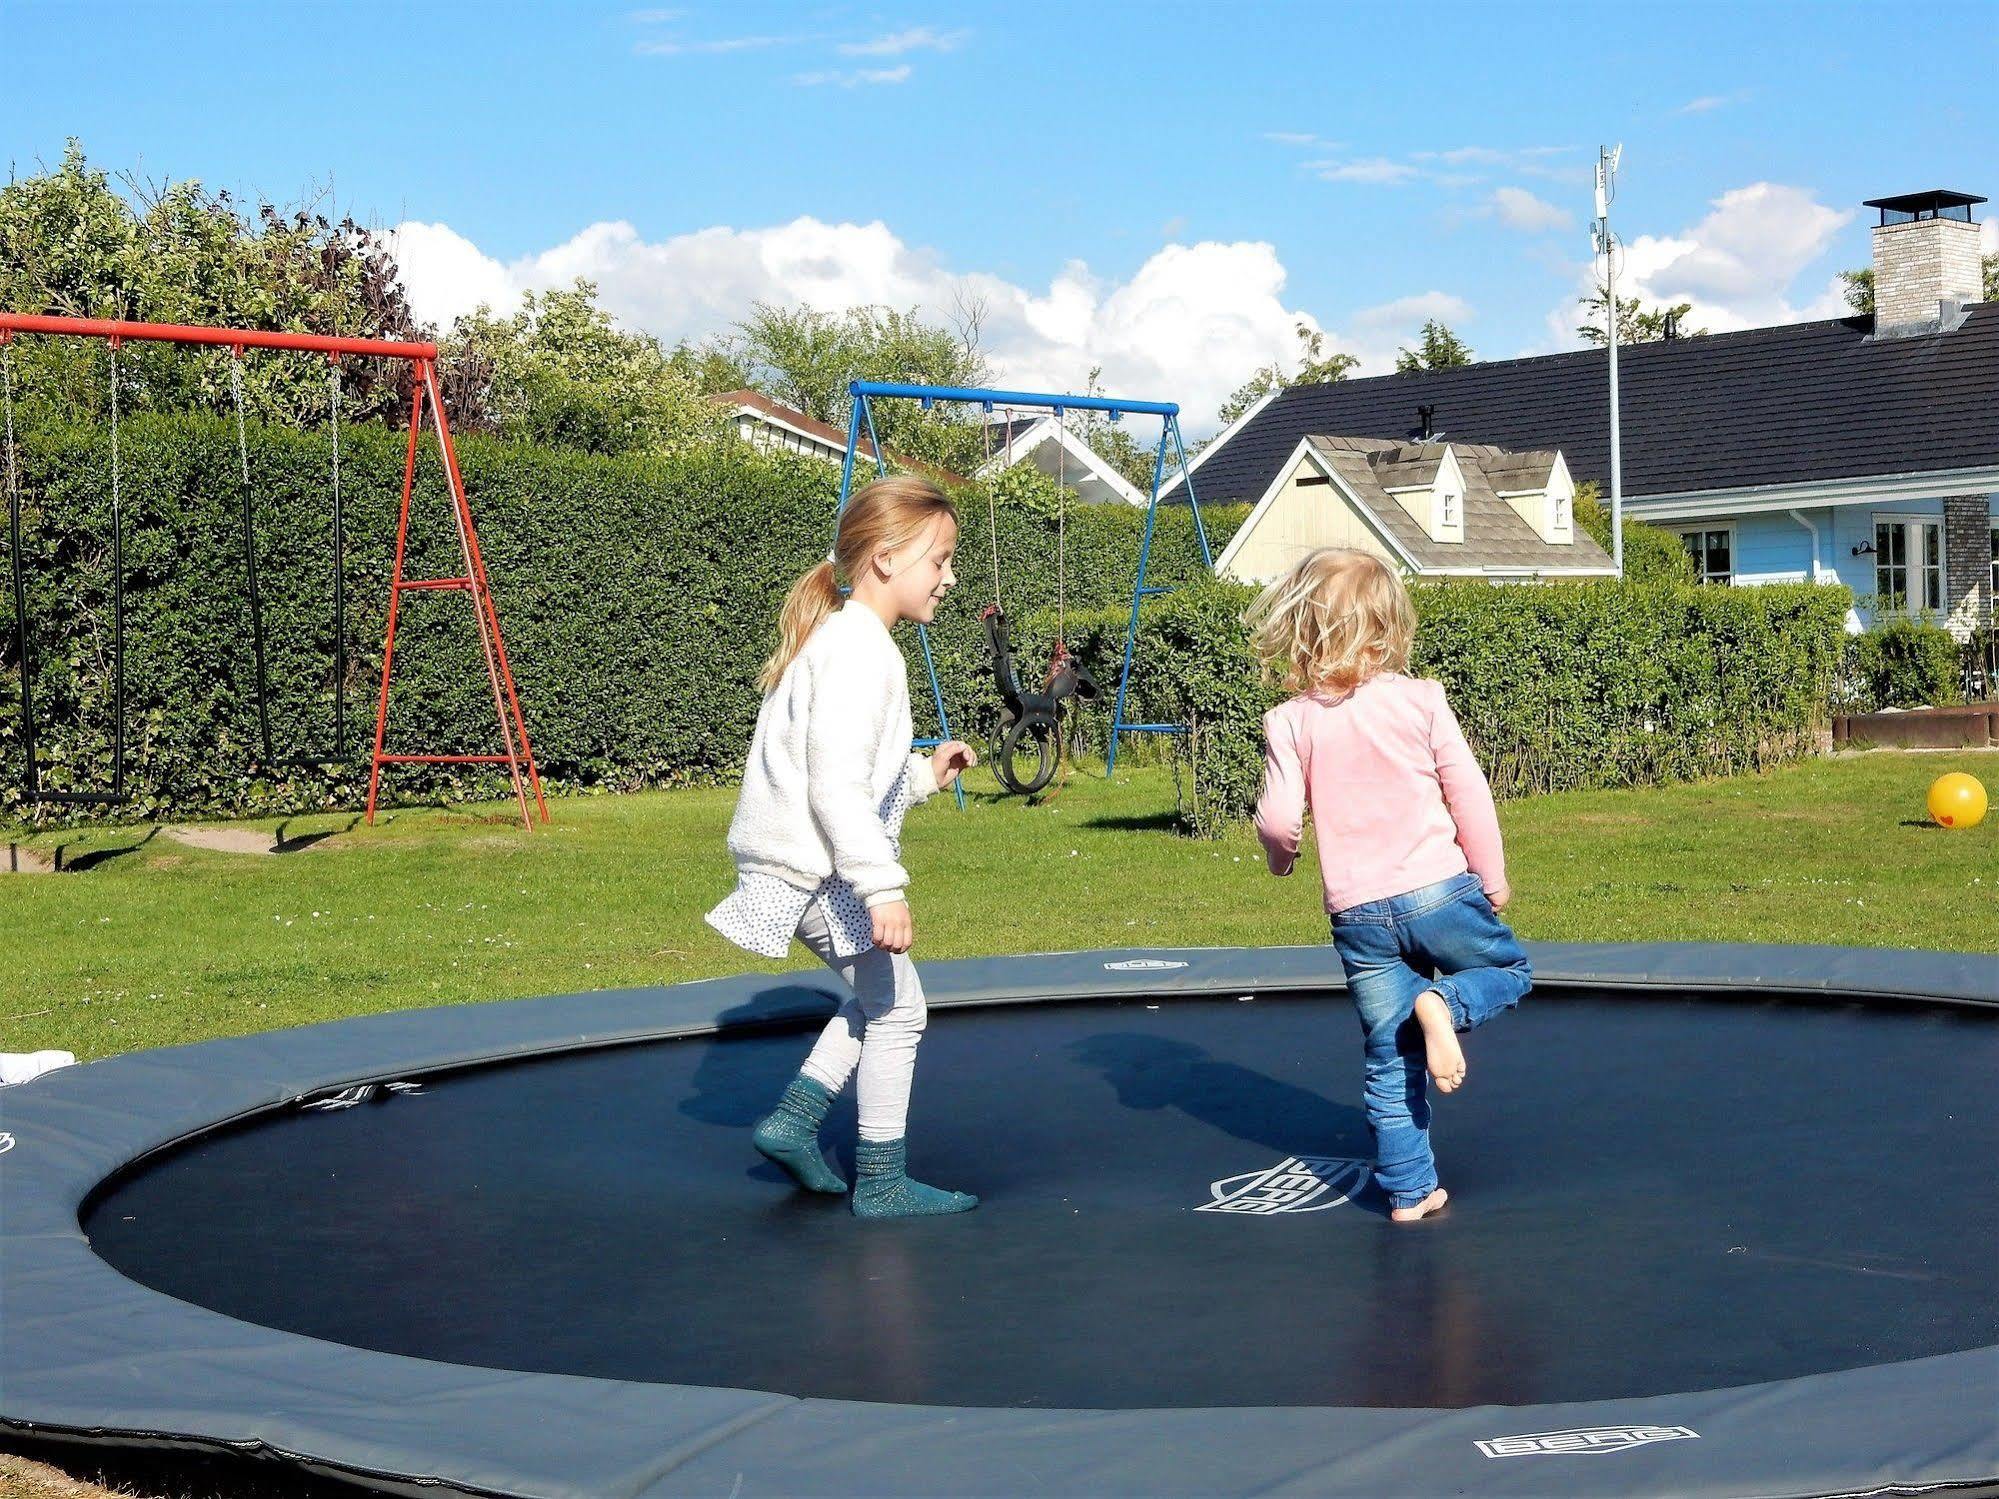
[1600, 237]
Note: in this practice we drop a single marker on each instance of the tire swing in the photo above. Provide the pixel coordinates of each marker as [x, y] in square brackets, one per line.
[1026, 748]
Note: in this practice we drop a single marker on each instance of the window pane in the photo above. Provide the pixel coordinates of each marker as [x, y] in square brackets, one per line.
[1717, 554]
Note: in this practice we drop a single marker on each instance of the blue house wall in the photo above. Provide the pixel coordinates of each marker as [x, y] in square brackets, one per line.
[1771, 547]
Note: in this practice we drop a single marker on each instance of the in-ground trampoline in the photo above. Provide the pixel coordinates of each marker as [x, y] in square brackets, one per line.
[1724, 1223]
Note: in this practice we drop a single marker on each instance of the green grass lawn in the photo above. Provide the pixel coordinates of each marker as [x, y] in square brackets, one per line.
[163, 943]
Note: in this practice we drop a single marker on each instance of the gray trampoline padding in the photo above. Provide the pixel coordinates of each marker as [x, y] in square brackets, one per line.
[85, 1352]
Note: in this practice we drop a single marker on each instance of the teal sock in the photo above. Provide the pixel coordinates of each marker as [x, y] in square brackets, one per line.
[789, 1135]
[882, 1188]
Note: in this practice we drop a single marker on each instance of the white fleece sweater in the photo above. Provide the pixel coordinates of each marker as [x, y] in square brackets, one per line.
[830, 741]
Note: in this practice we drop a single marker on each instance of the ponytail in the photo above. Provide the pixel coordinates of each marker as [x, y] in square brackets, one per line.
[815, 595]
[884, 516]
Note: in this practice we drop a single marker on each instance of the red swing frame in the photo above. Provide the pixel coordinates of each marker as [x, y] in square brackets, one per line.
[422, 359]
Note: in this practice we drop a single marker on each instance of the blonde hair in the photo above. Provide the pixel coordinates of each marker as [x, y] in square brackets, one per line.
[1337, 618]
[884, 516]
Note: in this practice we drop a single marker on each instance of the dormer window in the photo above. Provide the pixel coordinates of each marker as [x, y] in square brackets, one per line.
[1449, 511]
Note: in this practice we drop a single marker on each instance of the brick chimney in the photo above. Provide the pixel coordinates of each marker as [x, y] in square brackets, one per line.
[1926, 264]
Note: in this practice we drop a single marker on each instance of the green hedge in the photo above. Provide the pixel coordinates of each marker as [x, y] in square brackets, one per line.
[1904, 664]
[1597, 684]
[638, 596]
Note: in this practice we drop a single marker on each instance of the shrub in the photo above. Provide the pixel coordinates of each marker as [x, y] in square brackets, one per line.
[638, 595]
[1599, 684]
[1904, 664]
[1652, 554]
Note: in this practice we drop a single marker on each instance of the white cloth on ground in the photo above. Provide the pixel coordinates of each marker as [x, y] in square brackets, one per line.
[20, 1066]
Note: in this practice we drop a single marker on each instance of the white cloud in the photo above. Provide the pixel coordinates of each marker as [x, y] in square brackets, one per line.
[895, 43]
[857, 77]
[1413, 312]
[1188, 325]
[1376, 169]
[1298, 138]
[1702, 105]
[673, 47]
[1739, 266]
[1461, 166]
[447, 275]
[1517, 208]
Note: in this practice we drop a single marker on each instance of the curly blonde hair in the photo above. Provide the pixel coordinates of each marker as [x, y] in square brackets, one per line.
[1335, 619]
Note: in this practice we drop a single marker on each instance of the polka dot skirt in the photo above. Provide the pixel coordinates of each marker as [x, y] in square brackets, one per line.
[762, 913]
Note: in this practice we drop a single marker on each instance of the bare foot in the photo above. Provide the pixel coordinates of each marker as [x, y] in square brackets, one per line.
[1445, 1057]
[1423, 1209]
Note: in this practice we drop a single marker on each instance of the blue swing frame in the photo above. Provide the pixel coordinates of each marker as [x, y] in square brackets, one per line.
[865, 392]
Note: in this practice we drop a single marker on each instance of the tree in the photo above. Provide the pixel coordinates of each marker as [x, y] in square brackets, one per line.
[72, 244]
[1315, 367]
[1859, 286]
[1859, 290]
[805, 358]
[560, 372]
[715, 365]
[1437, 349]
[1636, 323]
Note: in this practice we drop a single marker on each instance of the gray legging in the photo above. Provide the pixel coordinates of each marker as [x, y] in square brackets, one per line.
[876, 1031]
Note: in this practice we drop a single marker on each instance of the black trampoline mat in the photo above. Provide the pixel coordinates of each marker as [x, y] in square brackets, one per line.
[1652, 1194]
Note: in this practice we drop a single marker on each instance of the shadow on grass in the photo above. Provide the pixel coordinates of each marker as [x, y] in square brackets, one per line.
[1136, 822]
[96, 856]
[296, 843]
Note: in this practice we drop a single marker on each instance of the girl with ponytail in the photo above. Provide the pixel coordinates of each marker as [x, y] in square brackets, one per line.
[817, 833]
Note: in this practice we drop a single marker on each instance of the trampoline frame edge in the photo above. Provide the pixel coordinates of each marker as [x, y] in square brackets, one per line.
[75, 1129]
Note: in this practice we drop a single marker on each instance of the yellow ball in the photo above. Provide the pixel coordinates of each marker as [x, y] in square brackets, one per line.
[1957, 800]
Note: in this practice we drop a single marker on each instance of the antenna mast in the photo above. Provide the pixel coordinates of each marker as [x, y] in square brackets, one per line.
[1605, 244]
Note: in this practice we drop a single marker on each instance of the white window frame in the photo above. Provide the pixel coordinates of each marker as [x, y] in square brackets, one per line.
[1913, 568]
[1683, 531]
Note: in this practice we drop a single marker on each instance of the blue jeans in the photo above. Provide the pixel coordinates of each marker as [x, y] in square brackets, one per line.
[1443, 937]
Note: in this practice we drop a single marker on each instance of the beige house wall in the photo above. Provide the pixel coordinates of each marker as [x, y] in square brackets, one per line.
[1301, 520]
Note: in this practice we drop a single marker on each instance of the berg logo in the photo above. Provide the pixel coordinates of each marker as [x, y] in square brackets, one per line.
[1143, 965]
[1584, 1439]
[1299, 1184]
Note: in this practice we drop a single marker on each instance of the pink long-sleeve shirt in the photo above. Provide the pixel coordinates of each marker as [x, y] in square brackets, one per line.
[1396, 797]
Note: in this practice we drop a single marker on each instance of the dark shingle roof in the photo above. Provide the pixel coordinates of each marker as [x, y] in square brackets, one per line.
[1769, 406]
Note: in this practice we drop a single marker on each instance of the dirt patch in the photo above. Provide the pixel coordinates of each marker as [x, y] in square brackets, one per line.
[22, 1479]
[20, 859]
[226, 840]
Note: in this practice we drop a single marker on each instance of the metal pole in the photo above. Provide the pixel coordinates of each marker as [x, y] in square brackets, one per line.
[236, 338]
[1606, 190]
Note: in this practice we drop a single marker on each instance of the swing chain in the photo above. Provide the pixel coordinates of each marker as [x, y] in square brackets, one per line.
[992, 514]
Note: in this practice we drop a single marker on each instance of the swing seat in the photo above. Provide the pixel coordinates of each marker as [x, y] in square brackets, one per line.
[1026, 747]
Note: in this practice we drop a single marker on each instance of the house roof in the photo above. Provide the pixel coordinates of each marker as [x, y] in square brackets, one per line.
[1013, 429]
[776, 411]
[1803, 402]
[1077, 462]
[1496, 538]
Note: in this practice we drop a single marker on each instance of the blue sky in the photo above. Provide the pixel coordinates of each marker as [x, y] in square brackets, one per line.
[1160, 188]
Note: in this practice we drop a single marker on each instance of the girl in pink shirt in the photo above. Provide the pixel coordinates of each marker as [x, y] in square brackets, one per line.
[1409, 847]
